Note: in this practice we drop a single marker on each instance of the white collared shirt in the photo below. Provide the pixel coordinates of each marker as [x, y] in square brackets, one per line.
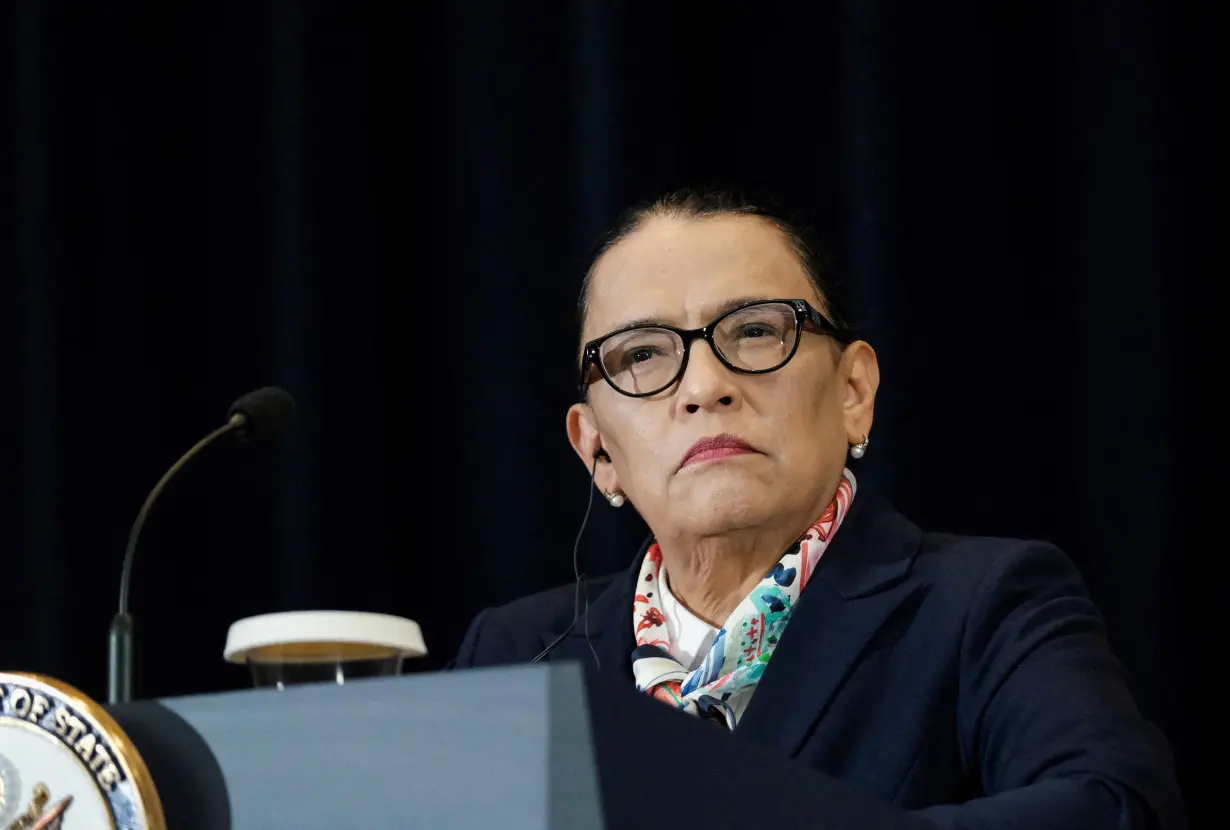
[690, 636]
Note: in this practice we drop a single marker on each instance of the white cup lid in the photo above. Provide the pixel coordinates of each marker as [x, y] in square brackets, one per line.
[294, 636]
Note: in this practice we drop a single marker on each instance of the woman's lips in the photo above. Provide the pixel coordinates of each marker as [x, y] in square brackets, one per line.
[714, 448]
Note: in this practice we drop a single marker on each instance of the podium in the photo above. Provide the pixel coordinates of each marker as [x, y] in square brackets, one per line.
[538, 746]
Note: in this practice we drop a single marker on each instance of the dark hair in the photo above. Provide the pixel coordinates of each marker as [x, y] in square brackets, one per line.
[700, 203]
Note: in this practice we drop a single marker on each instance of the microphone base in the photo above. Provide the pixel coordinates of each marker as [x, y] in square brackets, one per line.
[121, 659]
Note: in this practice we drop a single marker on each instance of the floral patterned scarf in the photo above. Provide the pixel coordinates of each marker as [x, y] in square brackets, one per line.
[721, 686]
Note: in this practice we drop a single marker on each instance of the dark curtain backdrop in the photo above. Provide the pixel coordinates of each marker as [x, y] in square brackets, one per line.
[386, 208]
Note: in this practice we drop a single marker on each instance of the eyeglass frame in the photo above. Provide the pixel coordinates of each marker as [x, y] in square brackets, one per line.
[804, 313]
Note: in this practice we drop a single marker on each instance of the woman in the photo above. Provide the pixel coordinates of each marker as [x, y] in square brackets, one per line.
[966, 679]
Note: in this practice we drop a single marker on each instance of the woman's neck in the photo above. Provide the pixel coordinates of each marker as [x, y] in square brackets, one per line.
[712, 575]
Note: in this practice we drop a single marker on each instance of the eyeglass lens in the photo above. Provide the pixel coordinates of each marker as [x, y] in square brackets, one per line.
[756, 338]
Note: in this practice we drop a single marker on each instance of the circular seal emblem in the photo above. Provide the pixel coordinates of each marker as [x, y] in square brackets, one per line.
[65, 764]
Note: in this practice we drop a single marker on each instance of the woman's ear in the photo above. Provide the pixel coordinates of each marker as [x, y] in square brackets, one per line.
[862, 379]
[586, 442]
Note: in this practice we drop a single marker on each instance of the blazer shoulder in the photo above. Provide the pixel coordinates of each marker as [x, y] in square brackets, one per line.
[516, 631]
[546, 611]
[968, 563]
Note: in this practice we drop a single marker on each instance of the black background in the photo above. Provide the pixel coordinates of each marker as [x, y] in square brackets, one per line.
[387, 208]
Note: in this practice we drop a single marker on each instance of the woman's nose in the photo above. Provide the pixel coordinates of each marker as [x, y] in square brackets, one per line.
[706, 383]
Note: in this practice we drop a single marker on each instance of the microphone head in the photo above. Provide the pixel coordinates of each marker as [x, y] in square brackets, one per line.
[266, 412]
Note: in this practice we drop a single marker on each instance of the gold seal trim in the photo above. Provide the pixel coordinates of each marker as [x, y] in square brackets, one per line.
[127, 754]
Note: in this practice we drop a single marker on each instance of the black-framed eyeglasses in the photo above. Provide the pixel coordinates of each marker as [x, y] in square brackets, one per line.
[752, 339]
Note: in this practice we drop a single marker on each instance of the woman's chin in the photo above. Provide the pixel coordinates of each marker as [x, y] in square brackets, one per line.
[723, 506]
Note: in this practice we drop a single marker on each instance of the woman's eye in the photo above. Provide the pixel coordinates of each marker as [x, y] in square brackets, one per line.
[756, 330]
[641, 355]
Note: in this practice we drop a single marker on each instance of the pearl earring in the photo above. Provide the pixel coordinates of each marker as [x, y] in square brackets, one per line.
[616, 499]
[860, 449]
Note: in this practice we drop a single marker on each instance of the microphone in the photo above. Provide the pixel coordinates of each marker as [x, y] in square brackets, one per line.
[257, 415]
[263, 413]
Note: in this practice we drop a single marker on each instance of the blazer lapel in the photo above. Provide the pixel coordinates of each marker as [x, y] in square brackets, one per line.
[858, 585]
[606, 626]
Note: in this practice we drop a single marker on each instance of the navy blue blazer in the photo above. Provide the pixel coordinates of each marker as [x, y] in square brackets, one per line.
[967, 681]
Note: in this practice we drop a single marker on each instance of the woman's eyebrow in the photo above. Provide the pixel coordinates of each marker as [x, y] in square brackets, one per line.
[714, 311]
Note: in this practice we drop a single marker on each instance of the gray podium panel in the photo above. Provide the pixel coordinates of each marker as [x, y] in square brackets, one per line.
[505, 748]
[543, 746]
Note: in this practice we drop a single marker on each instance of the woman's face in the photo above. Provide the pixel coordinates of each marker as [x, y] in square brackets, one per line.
[799, 421]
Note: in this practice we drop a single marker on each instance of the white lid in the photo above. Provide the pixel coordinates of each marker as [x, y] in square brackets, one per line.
[358, 634]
